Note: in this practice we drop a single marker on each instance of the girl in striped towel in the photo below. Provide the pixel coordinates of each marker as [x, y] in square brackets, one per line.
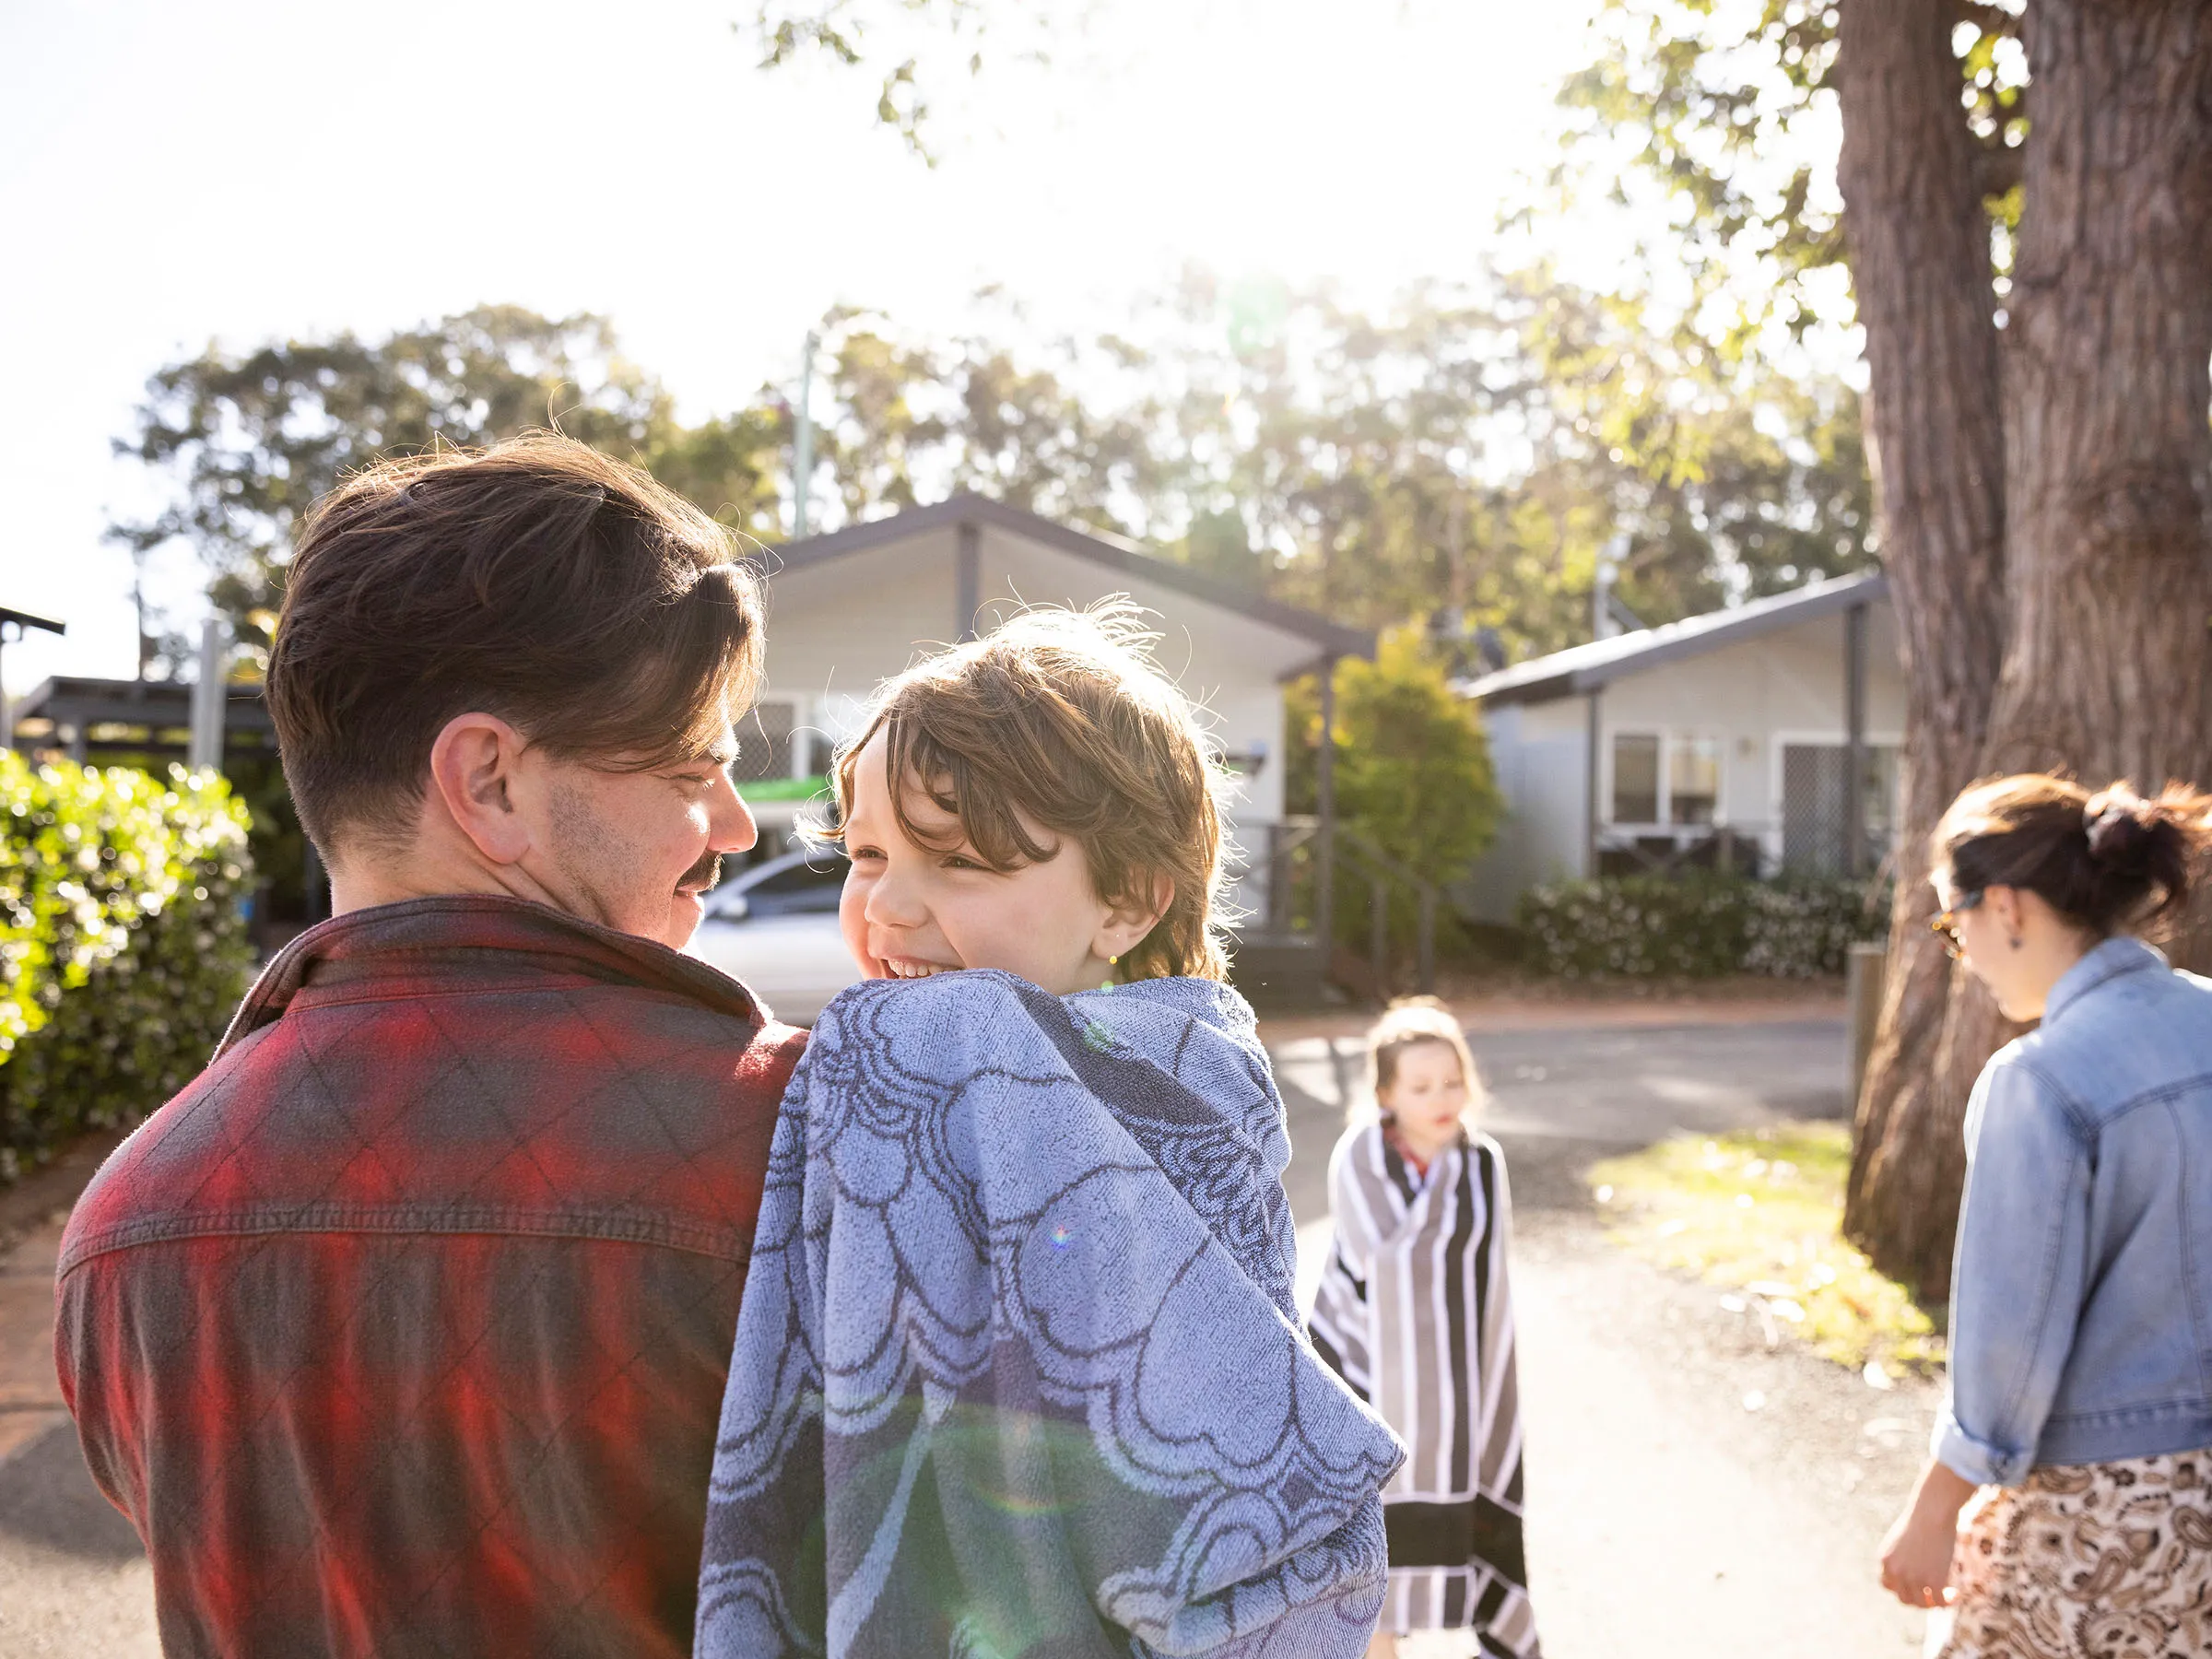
[1414, 1312]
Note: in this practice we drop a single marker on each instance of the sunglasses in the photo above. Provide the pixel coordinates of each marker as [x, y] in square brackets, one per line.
[1946, 924]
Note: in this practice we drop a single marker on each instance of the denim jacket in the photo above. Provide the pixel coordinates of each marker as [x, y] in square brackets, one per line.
[2081, 1301]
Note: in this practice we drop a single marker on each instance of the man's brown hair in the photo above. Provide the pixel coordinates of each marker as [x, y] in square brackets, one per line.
[598, 613]
[1061, 715]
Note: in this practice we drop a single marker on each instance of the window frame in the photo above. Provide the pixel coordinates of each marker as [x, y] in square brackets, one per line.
[1662, 802]
[1784, 738]
[1684, 738]
[749, 735]
[1612, 790]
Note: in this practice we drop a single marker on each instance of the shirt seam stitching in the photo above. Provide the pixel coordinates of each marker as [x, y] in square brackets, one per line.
[2079, 1124]
[2131, 964]
[2047, 1285]
[350, 1222]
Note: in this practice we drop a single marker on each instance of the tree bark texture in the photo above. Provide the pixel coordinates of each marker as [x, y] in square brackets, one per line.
[1919, 240]
[2108, 666]
[2107, 517]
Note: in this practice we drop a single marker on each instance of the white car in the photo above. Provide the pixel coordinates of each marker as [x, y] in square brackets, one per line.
[774, 926]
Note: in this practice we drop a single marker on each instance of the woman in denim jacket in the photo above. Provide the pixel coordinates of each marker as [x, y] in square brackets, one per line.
[2080, 1398]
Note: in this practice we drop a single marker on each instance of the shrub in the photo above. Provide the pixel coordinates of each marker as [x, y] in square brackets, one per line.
[1800, 929]
[1695, 927]
[122, 944]
[1413, 774]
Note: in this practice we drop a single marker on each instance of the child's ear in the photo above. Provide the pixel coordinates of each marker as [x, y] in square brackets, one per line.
[1128, 923]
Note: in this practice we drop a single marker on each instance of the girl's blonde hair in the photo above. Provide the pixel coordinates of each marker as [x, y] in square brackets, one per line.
[1064, 716]
[1417, 1019]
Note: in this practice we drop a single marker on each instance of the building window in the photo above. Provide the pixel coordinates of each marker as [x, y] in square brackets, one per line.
[764, 743]
[1693, 780]
[1883, 797]
[1635, 778]
[1816, 793]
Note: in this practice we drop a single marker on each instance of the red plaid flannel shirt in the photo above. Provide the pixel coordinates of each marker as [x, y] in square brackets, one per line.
[403, 1330]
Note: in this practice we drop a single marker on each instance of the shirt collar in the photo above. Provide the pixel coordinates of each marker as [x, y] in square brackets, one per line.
[473, 935]
[2108, 961]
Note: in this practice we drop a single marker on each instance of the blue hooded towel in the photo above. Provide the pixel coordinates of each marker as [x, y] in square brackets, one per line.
[1019, 1374]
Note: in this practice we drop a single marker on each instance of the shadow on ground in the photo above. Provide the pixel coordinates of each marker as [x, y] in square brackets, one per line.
[48, 1500]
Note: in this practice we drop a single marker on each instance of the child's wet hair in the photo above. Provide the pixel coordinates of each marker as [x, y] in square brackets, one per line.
[1063, 716]
[1412, 1020]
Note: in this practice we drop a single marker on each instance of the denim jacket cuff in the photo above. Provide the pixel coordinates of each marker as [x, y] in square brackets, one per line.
[1976, 1460]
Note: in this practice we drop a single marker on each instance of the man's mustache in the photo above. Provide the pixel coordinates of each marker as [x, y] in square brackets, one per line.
[705, 874]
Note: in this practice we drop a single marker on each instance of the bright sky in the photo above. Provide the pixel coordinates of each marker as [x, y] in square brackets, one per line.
[233, 171]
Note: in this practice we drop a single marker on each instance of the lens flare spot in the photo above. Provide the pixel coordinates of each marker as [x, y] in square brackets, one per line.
[1061, 1236]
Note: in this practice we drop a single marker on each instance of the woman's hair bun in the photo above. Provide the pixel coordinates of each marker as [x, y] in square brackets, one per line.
[2109, 859]
[2118, 821]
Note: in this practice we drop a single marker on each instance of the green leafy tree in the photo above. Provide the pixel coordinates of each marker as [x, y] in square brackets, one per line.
[733, 465]
[1412, 769]
[1723, 121]
[916, 420]
[1413, 774]
[1467, 450]
[2032, 175]
[250, 440]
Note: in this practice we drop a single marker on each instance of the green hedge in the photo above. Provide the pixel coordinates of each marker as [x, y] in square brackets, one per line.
[1695, 927]
[122, 944]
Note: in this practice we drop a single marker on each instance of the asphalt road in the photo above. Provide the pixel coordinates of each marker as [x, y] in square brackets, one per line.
[1562, 1097]
[1692, 1494]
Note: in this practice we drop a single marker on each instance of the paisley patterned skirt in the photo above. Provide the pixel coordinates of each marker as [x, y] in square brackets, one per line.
[2089, 1561]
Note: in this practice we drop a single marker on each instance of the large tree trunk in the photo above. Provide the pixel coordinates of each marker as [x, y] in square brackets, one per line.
[2107, 669]
[2108, 509]
[1920, 263]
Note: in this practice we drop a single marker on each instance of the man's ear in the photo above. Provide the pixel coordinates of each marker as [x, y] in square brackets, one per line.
[473, 764]
[1127, 923]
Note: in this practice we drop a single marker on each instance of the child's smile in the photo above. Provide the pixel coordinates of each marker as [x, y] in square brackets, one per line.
[901, 966]
[909, 911]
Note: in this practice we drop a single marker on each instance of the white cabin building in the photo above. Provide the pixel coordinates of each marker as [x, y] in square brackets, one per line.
[847, 609]
[1722, 740]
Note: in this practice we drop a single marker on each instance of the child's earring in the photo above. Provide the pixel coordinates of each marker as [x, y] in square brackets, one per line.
[1107, 985]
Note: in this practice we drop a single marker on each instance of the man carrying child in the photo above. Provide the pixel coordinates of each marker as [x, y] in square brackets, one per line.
[404, 1328]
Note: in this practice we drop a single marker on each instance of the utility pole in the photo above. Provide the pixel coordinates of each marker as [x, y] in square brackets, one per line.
[211, 698]
[146, 642]
[1604, 624]
[802, 459]
[1456, 550]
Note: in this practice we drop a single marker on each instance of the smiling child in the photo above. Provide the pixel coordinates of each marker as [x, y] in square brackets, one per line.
[1018, 1369]
[1039, 802]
